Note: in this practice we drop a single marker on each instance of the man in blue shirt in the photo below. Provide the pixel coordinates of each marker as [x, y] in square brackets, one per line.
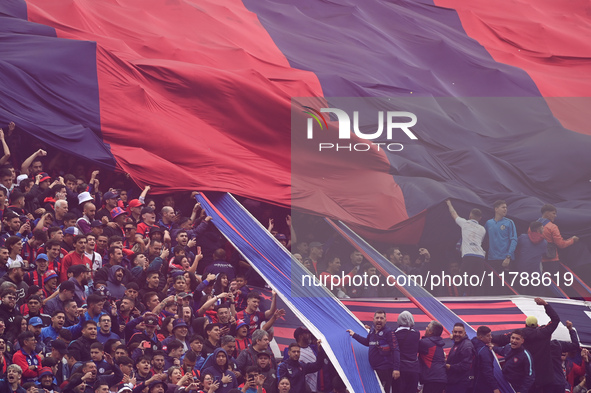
[502, 238]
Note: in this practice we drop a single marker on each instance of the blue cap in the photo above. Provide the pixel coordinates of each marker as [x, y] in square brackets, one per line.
[42, 256]
[35, 321]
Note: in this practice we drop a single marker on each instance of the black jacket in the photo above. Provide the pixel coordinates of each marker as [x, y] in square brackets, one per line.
[484, 380]
[460, 359]
[518, 369]
[537, 342]
[408, 342]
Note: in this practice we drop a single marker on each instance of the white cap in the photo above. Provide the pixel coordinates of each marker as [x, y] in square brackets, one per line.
[20, 178]
[84, 197]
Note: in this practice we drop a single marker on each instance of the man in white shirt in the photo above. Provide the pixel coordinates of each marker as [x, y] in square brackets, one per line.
[471, 243]
[95, 258]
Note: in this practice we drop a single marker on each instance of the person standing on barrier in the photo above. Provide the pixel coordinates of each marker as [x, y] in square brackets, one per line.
[502, 238]
[384, 354]
[551, 260]
[471, 243]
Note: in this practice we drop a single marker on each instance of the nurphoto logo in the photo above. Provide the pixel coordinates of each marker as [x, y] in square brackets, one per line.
[390, 121]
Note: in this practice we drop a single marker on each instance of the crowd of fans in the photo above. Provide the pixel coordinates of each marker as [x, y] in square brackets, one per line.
[104, 288]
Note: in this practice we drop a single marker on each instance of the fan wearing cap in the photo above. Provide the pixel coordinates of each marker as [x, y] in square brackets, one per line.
[537, 342]
[35, 277]
[88, 213]
[308, 354]
[110, 199]
[77, 257]
[15, 276]
[34, 326]
[116, 228]
[156, 384]
[180, 330]
[148, 220]
[46, 380]
[146, 333]
[134, 209]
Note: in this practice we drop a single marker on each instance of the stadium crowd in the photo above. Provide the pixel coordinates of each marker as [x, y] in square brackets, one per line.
[101, 292]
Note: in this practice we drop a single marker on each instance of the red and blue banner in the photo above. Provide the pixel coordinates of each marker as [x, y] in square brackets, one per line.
[186, 95]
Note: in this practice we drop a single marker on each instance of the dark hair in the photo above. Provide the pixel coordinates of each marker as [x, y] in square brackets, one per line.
[535, 225]
[114, 239]
[57, 312]
[98, 346]
[460, 324]
[112, 250]
[174, 344]
[476, 213]
[519, 332]
[88, 322]
[210, 327]
[499, 203]
[191, 356]
[548, 208]
[197, 337]
[379, 312]
[11, 241]
[109, 345]
[126, 360]
[67, 336]
[39, 234]
[70, 177]
[51, 243]
[147, 358]
[24, 336]
[254, 295]
[77, 238]
[93, 298]
[293, 345]
[483, 331]
[148, 295]
[70, 216]
[48, 362]
[252, 369]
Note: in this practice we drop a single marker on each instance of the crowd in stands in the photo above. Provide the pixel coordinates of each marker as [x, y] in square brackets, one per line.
[105, 288]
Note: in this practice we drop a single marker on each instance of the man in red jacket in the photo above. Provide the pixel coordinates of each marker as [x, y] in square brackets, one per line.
[76, 257]
[28, 360]
[551, 261]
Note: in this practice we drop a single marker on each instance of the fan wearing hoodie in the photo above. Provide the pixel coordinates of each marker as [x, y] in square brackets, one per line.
[432, 358]
[115, 281]
[384, 354]
[217, 365]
